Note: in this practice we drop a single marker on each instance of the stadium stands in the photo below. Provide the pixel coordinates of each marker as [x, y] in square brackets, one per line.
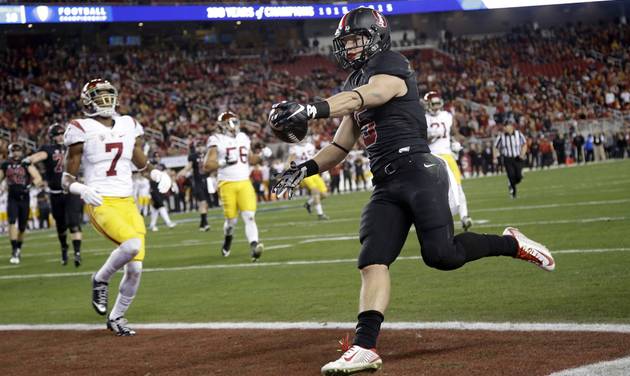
[535, 78]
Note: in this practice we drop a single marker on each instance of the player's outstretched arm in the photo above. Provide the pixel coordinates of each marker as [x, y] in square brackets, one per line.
[36, 157]
[328, 157]
[185, 170]
[37, 177]
[345, 138]
[380, 89]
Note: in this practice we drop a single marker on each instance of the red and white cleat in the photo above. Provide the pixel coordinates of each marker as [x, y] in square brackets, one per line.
[531, 251]
[356, 359]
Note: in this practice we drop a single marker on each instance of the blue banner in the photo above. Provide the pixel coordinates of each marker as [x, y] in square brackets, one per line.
[211, 12]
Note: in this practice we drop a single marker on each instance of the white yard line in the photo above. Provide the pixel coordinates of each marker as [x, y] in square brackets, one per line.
[617, 367]
[264, 264]
[446, 325]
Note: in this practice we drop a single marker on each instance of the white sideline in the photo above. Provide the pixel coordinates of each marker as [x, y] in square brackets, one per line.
[307, 325]
[617, 367]
[268, 264]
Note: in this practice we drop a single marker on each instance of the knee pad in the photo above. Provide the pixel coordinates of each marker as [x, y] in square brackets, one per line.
[131, 246]
[133, 269]
[228, 226]
[248, 216]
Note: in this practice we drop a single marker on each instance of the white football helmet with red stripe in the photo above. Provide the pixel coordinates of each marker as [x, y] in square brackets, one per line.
[99, 98]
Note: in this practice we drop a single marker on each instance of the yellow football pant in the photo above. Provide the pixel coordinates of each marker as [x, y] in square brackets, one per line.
[237, 196]
[315, 182]
[450, 161]
[118, 220]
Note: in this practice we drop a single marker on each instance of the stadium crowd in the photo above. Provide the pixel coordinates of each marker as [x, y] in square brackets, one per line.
[529, 77]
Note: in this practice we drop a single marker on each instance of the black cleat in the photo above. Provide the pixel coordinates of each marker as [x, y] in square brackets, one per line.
[64, 256]
[307, 206]
[120, 328]
[77, 259]
[99, 296]
[257, 250]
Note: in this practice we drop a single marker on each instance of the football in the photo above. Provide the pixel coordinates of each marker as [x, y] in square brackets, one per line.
[290, 132]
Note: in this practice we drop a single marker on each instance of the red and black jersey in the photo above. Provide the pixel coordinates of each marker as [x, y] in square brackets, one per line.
[54, 164]
[397, 127]
[17, 177]
[197, 161]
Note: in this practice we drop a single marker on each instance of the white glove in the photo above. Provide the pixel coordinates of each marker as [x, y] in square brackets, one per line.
[163, 180]
[88, 194]
[266, 152]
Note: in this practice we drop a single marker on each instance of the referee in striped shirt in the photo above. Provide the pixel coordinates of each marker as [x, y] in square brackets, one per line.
[511, 147]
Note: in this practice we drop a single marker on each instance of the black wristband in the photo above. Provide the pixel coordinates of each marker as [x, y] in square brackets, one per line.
[318, 110]
[340, 147]
[360, 97]
[311, 167]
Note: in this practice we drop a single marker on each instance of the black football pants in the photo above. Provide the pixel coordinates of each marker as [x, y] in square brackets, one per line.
[417, 193]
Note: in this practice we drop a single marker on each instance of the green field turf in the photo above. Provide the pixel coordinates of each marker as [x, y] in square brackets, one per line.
[582, 213]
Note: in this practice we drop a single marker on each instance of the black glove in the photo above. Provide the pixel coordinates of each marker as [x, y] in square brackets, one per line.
[287, 113]
[26, 162]
[290, 179]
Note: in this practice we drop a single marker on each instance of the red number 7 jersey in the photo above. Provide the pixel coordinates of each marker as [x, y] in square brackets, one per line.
[107, 153]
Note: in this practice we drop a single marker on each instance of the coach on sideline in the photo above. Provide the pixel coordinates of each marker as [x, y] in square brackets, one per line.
[511, 146]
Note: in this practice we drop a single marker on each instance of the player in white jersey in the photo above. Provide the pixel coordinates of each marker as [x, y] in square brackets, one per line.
[34, 209]
[229, 153]
[144, 194]
[4, 199]
[300, 153]
[109, 146]
[439, 130]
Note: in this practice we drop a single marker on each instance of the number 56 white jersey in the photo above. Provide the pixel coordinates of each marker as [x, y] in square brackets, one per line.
[439, 132]
[232, 148]
[107, 153]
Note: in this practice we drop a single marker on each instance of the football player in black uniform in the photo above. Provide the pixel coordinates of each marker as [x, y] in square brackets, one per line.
[157, 199]
[67, 208]
[380, 103]
[199, 182]
[19, 178]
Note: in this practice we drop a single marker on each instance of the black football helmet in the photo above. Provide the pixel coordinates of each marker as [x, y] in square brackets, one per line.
[365, 22]
[16, 151]
[55, 130]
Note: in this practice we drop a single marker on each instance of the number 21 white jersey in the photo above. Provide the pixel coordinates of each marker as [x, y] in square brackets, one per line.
[227, 148]
[439, 132]
[107, 153]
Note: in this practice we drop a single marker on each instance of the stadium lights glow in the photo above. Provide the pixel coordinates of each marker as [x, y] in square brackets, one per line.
[87, 13]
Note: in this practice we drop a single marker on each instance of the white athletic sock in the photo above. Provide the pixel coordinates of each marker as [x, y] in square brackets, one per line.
[229, 225]
[463, 206]
[154, 217]
[251, 230]
[128, 288]
[318, 209]
[164, 215]
[119, 257]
